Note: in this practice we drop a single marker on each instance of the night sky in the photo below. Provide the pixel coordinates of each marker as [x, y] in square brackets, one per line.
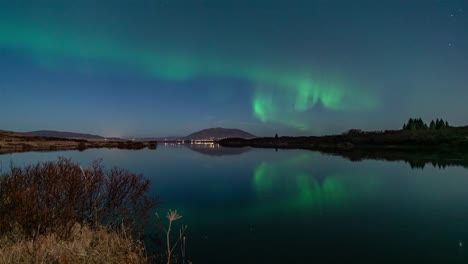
[140, 68]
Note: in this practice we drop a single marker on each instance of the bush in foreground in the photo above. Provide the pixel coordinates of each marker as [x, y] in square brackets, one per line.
[54, 196]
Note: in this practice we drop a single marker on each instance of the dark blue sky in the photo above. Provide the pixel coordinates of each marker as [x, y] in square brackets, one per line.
[171, 67]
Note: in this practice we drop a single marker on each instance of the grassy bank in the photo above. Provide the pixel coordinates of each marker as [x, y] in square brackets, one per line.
[84, 245]
[453, 137]
[16, 142]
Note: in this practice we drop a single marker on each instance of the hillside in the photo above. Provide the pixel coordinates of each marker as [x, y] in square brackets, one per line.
[11, 142]
[219, 133]
[453, 137]
[60, 134]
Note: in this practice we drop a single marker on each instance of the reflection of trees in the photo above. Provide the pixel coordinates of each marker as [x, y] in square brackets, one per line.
[416, 158]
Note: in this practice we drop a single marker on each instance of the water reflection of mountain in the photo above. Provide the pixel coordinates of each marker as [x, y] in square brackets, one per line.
[416, 158]
[216, 150]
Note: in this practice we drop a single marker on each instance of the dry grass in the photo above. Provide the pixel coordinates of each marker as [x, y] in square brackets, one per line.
[85, 245]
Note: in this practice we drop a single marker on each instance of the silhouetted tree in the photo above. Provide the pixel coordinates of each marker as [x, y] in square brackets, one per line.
[276, 136]
[415, 124]
[421, 124]
[441, 124]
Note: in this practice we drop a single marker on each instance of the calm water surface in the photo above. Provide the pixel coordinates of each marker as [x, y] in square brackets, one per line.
[298, 206]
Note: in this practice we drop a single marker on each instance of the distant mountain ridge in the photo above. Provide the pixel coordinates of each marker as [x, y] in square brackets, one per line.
[216, 133]
[219, 133]
[61, 134]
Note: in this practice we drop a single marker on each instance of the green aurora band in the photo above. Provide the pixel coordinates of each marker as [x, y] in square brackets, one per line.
[279, 97]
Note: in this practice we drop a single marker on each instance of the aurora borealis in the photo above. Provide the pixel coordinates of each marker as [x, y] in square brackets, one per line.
[155, 68]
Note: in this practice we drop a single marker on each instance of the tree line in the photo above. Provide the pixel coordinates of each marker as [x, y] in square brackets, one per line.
[418, 124]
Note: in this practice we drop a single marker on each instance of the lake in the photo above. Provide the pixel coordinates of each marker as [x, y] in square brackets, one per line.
[297, 206]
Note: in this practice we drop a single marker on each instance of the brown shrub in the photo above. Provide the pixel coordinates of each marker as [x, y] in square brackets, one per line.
[53, 196]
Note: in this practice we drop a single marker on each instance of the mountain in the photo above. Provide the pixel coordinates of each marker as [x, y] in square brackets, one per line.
[219, 133]
[60, 134]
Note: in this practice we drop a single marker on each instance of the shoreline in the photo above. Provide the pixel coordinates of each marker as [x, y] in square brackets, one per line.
[448, 138]
[11, 142]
